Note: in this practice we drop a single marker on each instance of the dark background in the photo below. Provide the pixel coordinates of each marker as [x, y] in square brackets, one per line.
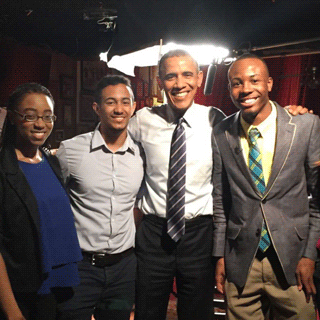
[57, 43]
[70, 26]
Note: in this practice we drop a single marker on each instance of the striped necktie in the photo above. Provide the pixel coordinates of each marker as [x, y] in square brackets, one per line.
[255, 166]
[176, 184]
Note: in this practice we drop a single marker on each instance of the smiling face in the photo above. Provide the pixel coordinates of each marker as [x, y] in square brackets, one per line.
[115, 109]
[249, 85]
[180, 80]
[33, 134]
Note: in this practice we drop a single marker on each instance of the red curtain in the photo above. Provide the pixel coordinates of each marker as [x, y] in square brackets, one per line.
[286, 73]
[220, 94]
[20, 64]
[291, 76]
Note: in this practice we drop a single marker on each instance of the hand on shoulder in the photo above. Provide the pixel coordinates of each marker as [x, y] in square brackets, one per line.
[295, 110]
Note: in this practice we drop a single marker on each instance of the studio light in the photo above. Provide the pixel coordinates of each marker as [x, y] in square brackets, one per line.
[204, 54]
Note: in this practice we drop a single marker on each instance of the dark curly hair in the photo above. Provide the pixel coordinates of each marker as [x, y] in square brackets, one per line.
[111, 80]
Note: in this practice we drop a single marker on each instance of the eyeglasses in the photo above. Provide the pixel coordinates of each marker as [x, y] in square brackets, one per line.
[35, 117]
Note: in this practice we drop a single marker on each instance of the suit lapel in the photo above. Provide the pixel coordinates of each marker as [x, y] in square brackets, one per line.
[233, 137]
[284, 139]
[285, 135]
[19, 184]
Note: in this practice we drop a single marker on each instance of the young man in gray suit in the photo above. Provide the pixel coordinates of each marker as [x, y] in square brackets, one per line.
[266, 201]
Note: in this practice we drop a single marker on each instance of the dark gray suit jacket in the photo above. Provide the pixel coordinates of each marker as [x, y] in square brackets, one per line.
[292, 218]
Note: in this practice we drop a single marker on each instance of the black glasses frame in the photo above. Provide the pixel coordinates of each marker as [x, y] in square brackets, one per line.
[45, 118]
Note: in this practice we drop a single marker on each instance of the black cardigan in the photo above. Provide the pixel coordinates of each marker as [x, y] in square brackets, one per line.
[20, 223]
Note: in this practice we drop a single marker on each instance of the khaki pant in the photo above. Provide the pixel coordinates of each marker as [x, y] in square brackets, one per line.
[263, 292]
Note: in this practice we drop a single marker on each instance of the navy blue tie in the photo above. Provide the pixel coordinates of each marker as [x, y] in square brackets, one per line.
[176, 184]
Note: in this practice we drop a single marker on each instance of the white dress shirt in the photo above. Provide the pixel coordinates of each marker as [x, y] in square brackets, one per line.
[153, 128]
[102, 186]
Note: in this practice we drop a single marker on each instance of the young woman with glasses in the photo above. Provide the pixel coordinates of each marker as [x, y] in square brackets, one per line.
[39, 248]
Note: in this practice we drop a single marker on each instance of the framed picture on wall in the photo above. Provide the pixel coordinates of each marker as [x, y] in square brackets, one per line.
[92, 72]
[86, 113]
[145, 88]
[67, 87]
[59, 135]
[67, 116]
[139, 89]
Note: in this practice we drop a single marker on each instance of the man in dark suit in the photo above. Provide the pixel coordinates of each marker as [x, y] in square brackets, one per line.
[266, 201]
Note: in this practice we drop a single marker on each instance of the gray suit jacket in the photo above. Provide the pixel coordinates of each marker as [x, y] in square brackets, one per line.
[290, 203]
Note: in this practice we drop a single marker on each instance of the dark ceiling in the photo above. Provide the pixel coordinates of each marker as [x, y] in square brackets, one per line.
[70, 26]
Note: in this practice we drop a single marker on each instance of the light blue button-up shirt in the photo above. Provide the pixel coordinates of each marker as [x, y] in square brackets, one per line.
[102, 186]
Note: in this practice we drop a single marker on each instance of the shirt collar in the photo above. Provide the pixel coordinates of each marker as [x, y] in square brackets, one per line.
[189, 116]
[264, 126]
[98, 142]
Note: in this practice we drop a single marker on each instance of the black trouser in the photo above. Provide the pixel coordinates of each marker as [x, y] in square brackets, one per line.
[160, 259]
[105, 292]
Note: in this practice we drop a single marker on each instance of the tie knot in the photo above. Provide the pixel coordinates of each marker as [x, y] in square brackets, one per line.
[254, 134]
[180, 121]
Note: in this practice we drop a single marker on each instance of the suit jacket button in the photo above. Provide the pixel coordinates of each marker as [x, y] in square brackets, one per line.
[258, 233]
[264, 201]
